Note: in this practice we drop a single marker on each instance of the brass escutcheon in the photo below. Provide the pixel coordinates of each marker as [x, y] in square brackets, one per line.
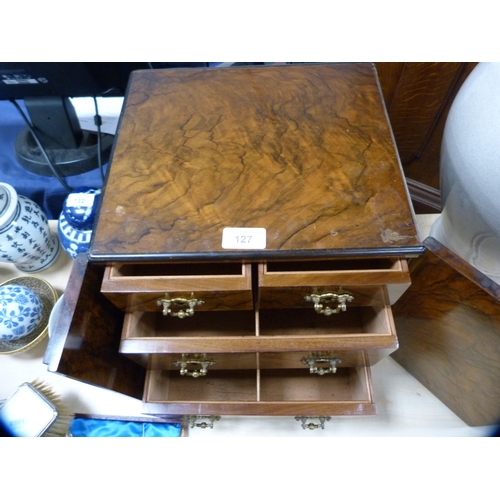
[311, 425]
[316, 358]
[185, 306]
[195, 359]
[320, 301]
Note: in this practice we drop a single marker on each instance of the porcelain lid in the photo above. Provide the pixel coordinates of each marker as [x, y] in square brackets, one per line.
[8, 203]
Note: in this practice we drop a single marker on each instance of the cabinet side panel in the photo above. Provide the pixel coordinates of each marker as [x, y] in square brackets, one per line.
[448, 324]
[86, 338]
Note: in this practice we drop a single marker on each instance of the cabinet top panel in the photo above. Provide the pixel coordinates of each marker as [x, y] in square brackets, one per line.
[254, 162]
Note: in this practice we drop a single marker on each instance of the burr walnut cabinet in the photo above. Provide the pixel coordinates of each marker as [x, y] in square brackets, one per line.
[252, 235]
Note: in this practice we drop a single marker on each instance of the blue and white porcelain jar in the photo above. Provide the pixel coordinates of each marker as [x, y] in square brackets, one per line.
[21, 310]
[77, 220]
[25, 237]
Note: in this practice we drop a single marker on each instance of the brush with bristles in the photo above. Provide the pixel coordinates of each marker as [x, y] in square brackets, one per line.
[60, 426]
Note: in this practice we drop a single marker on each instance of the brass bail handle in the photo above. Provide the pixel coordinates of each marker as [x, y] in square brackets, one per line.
[185, 306]
[316, 358]
[205, 421]
[194, 360]
[311, 425]
[321, 300]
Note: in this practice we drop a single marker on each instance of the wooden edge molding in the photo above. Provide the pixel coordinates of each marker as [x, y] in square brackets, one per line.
[463, 267]
[422, 193]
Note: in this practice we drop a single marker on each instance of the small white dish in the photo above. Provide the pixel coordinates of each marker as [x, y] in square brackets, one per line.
[48, 296]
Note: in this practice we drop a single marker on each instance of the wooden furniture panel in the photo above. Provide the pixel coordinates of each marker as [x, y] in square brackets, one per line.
[222, 286]
[269, 360]
[304, 152]
[84, 343]
[300, 296]
[326, 272]
[267, 330]
[261, 392]
[449, 326]
[418, 96]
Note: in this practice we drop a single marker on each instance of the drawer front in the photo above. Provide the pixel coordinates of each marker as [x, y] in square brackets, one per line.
[291, 391]
[285, 284]
[210, 287]
[193, 362]
[322, 297]
[315, 361]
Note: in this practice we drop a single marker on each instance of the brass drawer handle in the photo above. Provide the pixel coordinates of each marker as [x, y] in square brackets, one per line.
[311, 425]
[320, 301]
[180, 303]
[196, 359]
[315, 358]
[203, 424]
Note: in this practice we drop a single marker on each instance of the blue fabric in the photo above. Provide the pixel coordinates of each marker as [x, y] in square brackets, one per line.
[45, 191]
[88, 427]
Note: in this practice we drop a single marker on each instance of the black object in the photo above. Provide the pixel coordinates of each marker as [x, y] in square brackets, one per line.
[46, 88]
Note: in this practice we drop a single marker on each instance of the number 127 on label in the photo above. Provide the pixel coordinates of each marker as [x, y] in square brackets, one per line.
[244, 238]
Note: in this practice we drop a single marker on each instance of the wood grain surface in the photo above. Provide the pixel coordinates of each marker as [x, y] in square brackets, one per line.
[86, 336]
[418, 96]
[303, 151]
[448, 324]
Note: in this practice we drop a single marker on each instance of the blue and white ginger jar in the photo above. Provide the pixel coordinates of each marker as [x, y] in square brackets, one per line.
[77, 220]
[25, 237]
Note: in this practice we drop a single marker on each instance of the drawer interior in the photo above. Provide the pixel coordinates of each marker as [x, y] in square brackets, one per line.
[267, 330]
[214, 286]
[391, 264]
[219, 385]
[284, 277]
[306, 322]
[178, 269]
[348, 384]
[143, 325]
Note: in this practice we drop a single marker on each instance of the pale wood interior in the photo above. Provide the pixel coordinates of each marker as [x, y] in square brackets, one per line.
[300, 385]
[178, 269]
[141, 324]
[267, 323]
[365, 265]
[168, 386]
[278, 360]
[299, 322]
[292, 385]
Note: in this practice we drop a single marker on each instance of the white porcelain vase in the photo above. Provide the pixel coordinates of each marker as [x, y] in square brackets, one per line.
[25, 237]
[470, 173]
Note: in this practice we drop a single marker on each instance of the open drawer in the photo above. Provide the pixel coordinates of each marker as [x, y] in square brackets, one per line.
[286, 284]
[268, 330]
[260, 392]
[210, 286]
[321, 362]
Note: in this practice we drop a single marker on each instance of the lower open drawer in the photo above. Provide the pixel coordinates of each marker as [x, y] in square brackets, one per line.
[293, 392]
[363, 328]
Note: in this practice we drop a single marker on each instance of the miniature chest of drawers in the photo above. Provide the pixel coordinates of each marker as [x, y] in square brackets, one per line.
[252, 235]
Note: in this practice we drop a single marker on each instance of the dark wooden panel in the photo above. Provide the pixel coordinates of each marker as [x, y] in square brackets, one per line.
[303, 151]
[448, 324]
[418, 96]
[86, 337]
